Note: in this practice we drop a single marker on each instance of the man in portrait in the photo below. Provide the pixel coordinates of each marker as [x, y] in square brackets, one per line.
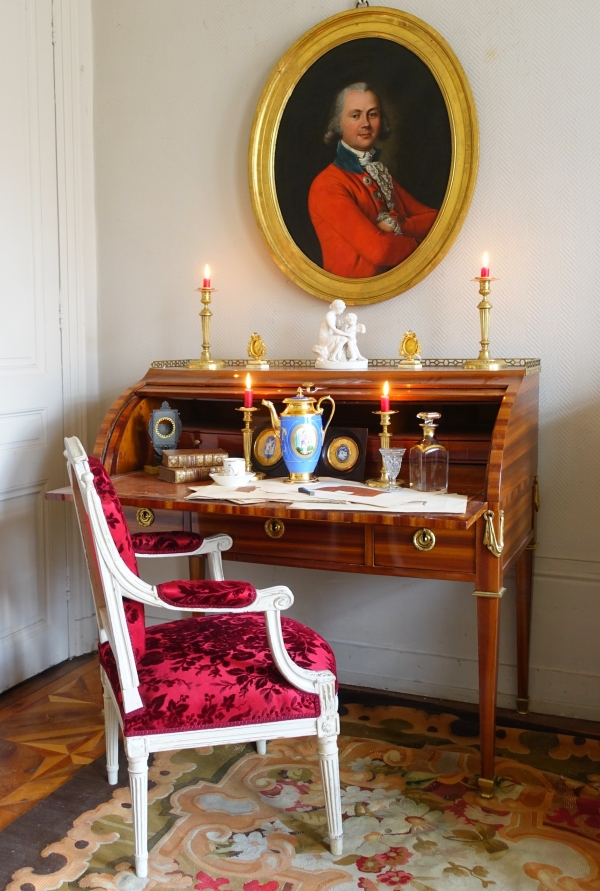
[365, 222]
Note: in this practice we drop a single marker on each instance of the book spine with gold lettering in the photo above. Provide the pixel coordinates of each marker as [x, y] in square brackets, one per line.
[186, 474]
[193, 458]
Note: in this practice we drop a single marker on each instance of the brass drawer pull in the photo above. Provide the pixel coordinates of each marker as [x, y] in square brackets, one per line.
[274, 528]
[145, 516]
[424, 539]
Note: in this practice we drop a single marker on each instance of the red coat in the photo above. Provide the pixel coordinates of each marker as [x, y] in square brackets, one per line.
[344, 206]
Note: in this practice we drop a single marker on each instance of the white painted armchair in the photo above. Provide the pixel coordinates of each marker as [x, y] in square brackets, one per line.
[237, 673]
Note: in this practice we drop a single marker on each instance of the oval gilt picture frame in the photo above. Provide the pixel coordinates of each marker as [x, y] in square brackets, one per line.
[363, 214]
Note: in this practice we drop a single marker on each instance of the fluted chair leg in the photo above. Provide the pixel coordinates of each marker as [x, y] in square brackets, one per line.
[111, 732]
[330, 770]
[138, 784]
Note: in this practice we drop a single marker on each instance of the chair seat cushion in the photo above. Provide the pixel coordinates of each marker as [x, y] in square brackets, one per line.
[165, 542]
[208, 594]
[217, 671]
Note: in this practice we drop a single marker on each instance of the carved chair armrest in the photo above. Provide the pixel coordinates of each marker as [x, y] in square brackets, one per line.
[178, 543]
[205, 595]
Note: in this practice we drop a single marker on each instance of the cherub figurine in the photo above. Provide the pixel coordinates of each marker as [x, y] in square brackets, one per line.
[352, 327]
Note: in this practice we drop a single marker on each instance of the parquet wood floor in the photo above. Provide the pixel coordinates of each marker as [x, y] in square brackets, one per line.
[47, 735]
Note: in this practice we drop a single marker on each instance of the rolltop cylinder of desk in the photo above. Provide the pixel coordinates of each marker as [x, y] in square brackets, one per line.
[489, 424]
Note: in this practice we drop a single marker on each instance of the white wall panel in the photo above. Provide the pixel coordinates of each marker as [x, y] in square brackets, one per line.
[176, 88]
[20, 235]
[23, 592]
[23, 429]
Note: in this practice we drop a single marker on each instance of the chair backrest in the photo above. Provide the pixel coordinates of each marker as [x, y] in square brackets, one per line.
[119, 530]
[116, 525]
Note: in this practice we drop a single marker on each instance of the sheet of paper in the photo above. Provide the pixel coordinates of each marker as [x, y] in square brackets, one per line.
[317, 504]
[333, 492]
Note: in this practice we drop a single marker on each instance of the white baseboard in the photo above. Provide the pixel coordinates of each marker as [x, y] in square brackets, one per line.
[573, 694]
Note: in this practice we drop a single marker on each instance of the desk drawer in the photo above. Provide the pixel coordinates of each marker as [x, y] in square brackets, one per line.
[454, 549]
[302, 542]
[164, 520]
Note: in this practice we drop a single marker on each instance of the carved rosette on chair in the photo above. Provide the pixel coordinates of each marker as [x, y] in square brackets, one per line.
[157, 697]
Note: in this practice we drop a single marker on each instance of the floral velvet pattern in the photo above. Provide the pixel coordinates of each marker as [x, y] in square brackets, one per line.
[165, 542]
[217, 671]
[117, 524]
[218, 595]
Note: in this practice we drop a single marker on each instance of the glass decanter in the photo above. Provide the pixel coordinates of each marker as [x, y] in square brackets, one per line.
[428, 459]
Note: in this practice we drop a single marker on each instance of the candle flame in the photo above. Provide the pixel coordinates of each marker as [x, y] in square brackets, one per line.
[207, 271]
[248, 381]
[486, 260]
[386, 389]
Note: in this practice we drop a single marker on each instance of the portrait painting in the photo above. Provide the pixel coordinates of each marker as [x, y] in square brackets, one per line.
[363, 155]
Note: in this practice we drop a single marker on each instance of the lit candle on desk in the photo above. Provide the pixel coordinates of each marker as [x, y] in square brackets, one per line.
[206, 280]
[385, 397]
[248, 394]
[485, 269]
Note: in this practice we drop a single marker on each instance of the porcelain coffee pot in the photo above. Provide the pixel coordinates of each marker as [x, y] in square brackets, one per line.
[300, 431]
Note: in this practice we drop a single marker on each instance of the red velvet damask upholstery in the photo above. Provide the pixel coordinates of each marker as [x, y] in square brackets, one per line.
[165, 542]
[117, 524]
[217, 671]
[210, 595]
[183, 594]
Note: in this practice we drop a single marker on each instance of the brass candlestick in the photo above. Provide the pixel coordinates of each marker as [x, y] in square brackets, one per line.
[206, 362]
[383, 481]
[247, 435]
[484, 361]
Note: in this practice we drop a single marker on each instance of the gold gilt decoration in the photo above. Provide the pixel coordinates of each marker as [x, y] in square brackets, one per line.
[410, 350]
[256, 353]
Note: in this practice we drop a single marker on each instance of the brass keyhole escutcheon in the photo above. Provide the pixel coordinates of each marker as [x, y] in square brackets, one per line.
[424, 539]
[274, 528]
[145, 516]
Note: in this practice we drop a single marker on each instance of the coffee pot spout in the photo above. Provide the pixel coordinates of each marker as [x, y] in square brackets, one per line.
[274, 416]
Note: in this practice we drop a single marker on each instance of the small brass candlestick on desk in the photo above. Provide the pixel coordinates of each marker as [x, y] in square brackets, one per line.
[247, 435]
[383, 482]
[484, 361]
[206, 362]
[248, 408]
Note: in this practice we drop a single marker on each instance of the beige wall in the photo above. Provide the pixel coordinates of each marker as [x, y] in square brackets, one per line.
[176, 84]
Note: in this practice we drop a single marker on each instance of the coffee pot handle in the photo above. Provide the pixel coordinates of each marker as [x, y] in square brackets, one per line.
[319, 409]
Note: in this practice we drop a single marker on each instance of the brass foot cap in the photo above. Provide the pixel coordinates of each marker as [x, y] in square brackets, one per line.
[522, 706]
[486, 787]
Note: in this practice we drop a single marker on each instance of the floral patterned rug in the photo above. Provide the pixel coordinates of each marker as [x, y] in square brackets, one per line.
[227, 819]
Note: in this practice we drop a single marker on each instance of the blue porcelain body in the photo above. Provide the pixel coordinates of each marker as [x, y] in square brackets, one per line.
[301, 441]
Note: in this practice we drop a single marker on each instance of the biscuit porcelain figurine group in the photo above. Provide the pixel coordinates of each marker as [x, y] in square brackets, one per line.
[337, 346]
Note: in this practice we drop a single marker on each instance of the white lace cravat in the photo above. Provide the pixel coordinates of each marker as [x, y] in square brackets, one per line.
[383, 178]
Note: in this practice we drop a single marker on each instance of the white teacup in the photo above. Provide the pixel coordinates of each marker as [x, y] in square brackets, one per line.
[234, 466]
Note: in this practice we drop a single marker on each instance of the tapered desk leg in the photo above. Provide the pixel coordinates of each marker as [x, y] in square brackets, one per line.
[197, 568]
[488, 627]
[489, 574]
[524, 578]
[197, 565]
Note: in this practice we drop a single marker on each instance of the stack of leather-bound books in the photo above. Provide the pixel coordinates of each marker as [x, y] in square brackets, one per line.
[190, 465]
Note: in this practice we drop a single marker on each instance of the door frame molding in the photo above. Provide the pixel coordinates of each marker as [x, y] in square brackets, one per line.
[74, 95]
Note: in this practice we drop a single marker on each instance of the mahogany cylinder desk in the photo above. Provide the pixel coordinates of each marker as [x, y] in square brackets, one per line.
[489, 424]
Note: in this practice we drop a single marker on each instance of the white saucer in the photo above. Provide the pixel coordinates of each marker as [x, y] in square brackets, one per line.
[231, 482]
